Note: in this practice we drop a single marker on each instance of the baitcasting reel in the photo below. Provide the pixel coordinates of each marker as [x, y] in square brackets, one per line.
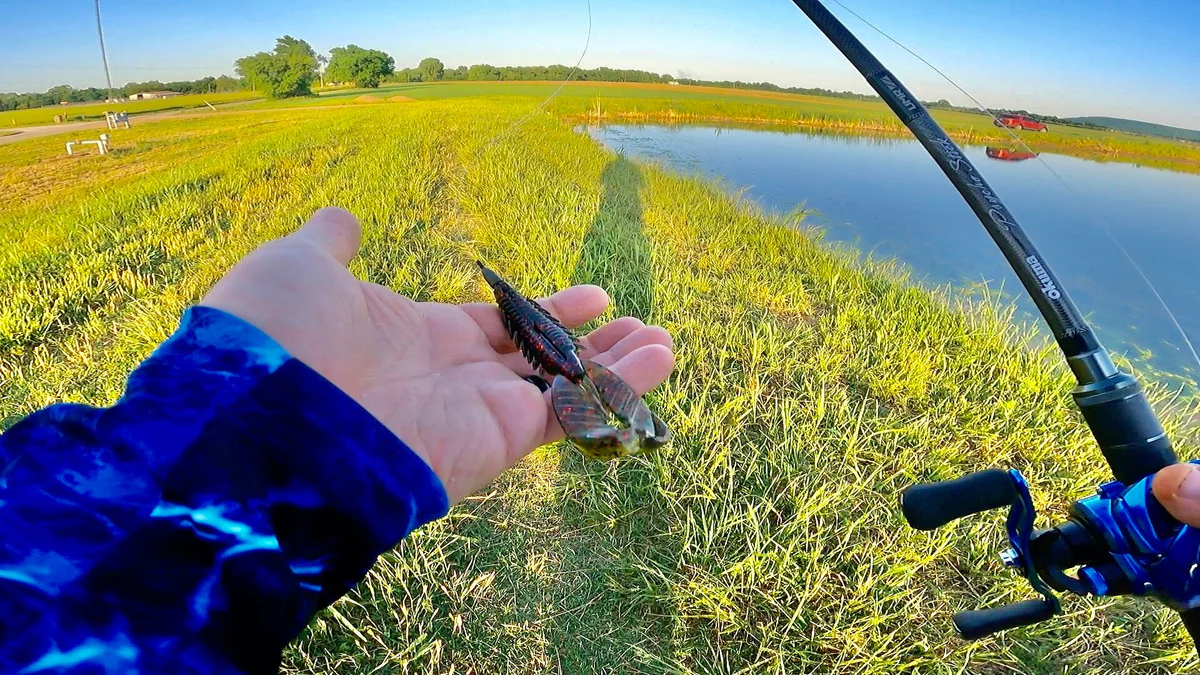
[1121, 540]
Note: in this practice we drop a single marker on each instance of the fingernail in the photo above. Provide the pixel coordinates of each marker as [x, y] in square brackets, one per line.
[1190, 487]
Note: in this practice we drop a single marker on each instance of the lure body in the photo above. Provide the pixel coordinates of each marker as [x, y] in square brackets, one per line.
[544, 341]
[585, 395]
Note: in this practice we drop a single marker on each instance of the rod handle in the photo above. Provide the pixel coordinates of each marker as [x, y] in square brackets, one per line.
[980, 623]
[932, 505]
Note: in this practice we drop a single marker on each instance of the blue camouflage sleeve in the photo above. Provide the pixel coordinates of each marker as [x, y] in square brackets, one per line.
[198, 524]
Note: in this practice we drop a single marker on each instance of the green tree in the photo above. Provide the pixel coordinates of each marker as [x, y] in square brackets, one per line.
[431, 69]
[483, 71]
[227, 83]
[406, 75]
[289, 70]
[363, 67]
[61, 93]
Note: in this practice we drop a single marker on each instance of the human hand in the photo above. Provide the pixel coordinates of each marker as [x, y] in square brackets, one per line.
[1177, 488]
[446, 379]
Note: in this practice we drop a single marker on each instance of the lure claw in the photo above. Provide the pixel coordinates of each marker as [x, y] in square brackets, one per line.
[585, 420]
[585, 395]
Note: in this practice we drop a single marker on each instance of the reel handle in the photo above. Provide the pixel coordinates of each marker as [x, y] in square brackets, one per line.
[980, 623]
[932, 505]
[1191, 621]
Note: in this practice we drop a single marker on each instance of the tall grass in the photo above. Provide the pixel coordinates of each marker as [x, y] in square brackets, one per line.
[810, 390]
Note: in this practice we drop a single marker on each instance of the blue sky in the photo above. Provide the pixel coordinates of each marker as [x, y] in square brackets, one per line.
[1064, 57]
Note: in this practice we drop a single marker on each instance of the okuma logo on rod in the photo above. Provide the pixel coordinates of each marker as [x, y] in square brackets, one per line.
[1043, 277]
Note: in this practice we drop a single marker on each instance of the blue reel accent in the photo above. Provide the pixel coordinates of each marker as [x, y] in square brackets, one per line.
[1160, 557]
[1020, 536]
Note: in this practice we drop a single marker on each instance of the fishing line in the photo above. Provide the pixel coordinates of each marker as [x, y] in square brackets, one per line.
[586, 43]
[1074, 194]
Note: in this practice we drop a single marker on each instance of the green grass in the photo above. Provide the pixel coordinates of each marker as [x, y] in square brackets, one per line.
[810, 390]
[37, 173]
[610, 101]
[77, 113]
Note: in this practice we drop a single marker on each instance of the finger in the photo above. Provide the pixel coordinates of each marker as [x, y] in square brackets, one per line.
[577, 305]
[572, 306]
[642, 369]
[520, 411]
[1177, 488]
[606, 345]
[642, 337]
[603, 338]
[333, 230]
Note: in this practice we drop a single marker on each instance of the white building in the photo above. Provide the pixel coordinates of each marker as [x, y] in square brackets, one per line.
[145, 95]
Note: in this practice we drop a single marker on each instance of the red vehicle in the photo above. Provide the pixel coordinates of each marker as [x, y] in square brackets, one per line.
[1019, 122]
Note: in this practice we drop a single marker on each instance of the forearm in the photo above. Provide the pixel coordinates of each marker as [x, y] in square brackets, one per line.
[201, 521]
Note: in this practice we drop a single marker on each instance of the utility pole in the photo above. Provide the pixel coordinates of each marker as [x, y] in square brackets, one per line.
[103, 54]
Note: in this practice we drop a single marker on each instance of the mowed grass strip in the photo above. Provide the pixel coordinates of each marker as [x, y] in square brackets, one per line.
[810, 390]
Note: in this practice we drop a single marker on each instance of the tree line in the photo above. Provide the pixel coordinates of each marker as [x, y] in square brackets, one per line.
[66, 93]
[431, 69]
[293, 66]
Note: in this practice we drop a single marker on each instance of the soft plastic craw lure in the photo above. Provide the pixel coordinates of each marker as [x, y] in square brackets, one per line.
[585, 394]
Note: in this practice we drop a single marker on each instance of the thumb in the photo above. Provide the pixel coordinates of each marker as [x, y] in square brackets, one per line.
[333, 230]
[1177, 488]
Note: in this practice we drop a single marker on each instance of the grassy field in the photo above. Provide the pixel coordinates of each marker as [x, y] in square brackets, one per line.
[610, 101]
[78, 113]
[810, 390]
[657, 103]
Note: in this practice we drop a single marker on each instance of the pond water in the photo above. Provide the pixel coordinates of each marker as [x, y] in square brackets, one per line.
[887, 198]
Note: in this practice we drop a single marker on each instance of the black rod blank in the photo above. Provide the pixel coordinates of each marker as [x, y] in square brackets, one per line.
[1070, 330]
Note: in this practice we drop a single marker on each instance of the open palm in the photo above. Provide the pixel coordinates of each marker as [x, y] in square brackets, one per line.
[446, 379]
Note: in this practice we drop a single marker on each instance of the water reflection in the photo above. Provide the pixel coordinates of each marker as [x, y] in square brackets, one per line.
[886, 197]
[880, 140]
[1009, 154]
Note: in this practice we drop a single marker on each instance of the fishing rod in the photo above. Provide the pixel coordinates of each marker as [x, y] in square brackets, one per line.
[1122, 541]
